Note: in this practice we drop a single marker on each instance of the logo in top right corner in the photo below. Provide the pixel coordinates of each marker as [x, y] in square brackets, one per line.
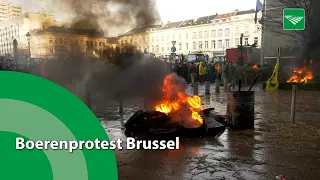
[293, 19]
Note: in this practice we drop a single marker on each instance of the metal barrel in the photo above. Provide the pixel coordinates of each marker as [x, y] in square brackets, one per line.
[240, 109]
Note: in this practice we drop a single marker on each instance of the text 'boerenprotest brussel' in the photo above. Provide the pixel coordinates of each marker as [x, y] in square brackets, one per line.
[97, 144]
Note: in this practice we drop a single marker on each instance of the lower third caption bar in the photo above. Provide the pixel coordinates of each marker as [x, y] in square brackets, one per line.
[130, 144]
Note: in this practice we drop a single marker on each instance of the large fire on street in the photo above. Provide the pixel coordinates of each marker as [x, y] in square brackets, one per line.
[301, 75]
[178, 105]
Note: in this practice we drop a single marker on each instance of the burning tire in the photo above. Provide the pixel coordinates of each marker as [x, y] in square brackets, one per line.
[160, 133]
[158, 125]
[135, 118]
[155, 119]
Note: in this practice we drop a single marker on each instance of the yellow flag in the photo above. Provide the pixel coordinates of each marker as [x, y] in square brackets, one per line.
[273, 83]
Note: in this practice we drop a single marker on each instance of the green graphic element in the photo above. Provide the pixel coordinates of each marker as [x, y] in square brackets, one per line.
[38, 109]
[16, 164]
[293, 19]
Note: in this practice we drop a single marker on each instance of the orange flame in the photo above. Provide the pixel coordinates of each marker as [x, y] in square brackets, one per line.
[175, 99]
[301, 75]
[255, 67]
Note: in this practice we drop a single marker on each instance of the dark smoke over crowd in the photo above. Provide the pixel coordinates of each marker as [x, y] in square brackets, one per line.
[140, 77]
[136, 75]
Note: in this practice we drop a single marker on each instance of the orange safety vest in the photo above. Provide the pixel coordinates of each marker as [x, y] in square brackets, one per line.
[219, 69]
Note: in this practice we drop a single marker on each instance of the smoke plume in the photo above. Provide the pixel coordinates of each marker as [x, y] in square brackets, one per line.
[113, 17]
[141, 77]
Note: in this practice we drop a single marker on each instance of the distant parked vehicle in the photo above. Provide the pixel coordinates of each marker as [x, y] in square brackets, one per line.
[196, 57]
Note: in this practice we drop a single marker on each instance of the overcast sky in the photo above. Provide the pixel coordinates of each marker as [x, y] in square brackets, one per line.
[173, 10]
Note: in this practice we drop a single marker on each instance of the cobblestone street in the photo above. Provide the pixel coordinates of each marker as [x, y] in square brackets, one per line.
[276, 146]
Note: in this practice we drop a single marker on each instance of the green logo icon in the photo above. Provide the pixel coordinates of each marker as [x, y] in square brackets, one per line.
[293, 19]
[37, 109]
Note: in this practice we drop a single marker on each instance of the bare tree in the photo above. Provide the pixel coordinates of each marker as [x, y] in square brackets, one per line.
[310, 37]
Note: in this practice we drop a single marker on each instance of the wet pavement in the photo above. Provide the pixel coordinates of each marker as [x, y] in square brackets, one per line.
[276, 146]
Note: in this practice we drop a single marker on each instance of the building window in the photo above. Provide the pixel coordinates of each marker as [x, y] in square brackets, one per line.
[173, 37]
[180, 46]
[246, 41]
[206, 45]
[60, 41]
[56, 40]
[157, 48]
[227, 32]
[162, 49]
[51, 50]
[237, 30]
[213, 33]
[206, 34]
[219, 32]
[213, 44]
[200, 34]
[194, 35]
[65, 41]
[51, 40]
[194, 45]
[200, 44]
[255, 40]
[236, 41]
[246, 30]
[220, 44]
[187, 46]
[186, 35]
[162, 38]
[227, 43]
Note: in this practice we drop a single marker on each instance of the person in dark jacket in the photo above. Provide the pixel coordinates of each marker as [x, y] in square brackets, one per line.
[212, 72]
[184, 71]
[192, 72]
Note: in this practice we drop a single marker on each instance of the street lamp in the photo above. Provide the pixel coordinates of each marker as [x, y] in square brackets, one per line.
[28, 38]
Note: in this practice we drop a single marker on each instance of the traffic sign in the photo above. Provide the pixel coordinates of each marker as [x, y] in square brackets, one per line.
[173, 49]
[174, 42]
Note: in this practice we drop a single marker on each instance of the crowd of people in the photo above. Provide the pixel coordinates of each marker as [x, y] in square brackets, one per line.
[199, 72]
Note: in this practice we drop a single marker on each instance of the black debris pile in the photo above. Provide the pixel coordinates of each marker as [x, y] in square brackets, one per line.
[157, 125]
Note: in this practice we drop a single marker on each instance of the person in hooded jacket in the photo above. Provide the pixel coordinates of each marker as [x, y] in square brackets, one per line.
[201, 72]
